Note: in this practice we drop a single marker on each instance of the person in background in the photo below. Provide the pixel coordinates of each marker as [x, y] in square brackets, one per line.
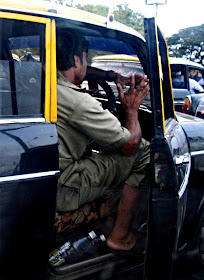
[193, 84]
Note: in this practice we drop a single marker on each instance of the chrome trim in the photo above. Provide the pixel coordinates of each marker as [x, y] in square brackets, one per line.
[177, 102]
[181, 159]
[95, 151]
[22, 120]
[185, 181]
[197, 153]
[39, 175]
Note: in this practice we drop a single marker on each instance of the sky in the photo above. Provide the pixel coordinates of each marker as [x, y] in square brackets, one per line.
[175, 15]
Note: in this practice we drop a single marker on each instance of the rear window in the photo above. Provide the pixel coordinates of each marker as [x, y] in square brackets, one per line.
[178, 74]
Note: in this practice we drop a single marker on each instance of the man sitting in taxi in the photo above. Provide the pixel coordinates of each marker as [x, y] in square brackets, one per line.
[124, 154]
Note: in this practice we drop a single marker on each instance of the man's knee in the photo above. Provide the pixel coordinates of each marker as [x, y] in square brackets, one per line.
[67, 199]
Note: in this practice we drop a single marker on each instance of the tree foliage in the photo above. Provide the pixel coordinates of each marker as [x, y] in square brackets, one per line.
[188, 43]
[126, 16]
[58, 2]
[98, 9]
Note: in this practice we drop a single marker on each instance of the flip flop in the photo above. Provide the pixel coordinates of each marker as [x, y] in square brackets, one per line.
[137, 251]
[128, 254]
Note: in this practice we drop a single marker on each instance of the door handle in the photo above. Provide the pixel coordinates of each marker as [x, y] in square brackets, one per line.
[182, 159]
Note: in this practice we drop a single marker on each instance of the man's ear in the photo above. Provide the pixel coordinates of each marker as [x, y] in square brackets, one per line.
[76, 60]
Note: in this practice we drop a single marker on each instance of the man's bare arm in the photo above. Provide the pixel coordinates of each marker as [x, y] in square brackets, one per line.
[131, 103]
[109, 76]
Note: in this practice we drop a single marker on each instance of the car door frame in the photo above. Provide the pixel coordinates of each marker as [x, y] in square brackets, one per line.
[167, 200]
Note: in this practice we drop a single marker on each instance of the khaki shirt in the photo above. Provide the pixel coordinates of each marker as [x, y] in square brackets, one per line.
[82, 119]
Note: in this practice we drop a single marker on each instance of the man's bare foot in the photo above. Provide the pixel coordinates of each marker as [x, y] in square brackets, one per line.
[125, 243]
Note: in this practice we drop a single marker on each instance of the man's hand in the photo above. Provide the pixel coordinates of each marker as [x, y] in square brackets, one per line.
[123, 81]
[131, 103]
[136, 94]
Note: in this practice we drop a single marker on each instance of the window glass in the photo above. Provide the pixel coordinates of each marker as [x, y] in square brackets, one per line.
[196, 74]
[200, 78]
[111, 54]
[178, 76]
[122, 64]
[22, 60]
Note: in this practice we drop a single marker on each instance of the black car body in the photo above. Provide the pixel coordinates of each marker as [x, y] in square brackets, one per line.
[29, 165]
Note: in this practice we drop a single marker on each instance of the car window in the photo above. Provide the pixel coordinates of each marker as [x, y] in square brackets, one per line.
[200, 78]
[118, 64]
[112, 54]
[21, 68]
[178, 76]
[197, 75]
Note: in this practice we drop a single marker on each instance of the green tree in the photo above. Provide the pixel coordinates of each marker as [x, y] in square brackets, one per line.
[126, 16]
[98, 9]
[59, 2]
[188, 43]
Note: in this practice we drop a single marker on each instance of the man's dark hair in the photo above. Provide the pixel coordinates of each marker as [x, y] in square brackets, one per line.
[69, 44]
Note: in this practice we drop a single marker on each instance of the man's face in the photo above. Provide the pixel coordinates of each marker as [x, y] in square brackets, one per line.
[193, 72]
[84, 65]
[81, 69]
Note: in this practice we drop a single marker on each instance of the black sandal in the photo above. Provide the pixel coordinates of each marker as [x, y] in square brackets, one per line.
[137, 251]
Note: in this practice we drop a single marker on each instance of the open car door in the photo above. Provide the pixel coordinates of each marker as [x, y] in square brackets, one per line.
[170, 163]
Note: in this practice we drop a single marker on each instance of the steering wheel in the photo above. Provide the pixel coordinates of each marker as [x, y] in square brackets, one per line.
[98, 87]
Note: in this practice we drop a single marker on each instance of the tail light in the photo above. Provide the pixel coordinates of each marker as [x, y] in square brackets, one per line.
[200, 110]
[186, 106]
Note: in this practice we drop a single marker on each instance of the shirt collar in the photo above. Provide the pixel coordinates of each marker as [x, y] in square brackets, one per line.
[63, 81]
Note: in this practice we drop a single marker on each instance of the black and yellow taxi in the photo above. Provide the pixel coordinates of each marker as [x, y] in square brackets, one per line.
[29, 164]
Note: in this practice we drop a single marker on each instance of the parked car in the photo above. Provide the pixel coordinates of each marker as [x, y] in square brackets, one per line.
[180, 68]
[29, 164]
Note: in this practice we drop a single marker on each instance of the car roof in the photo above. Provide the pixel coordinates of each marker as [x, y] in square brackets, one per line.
[60, 11]
[176, 60]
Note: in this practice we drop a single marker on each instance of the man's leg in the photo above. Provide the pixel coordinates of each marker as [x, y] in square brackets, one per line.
[121, 237]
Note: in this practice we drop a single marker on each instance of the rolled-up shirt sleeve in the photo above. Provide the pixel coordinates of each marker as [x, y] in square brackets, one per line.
[99, 124]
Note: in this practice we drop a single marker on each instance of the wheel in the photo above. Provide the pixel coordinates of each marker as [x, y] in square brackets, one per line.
[98, 87]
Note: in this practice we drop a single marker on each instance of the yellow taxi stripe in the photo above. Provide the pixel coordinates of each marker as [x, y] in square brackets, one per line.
[24, 17]
[47, 71]
[169, 68]
[53, 73]
[25, 4]
[160, 80]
